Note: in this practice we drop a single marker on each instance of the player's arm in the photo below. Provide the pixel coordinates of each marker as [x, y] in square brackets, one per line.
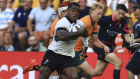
[63, 35]
[137, 40]
[98, 43]
[29, 25]
[85, 41]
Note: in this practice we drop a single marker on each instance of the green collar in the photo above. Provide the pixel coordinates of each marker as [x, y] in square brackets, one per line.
[91, 20]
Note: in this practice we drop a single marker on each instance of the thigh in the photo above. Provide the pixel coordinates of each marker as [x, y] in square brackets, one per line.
[101, 53]
[70, 72]
[45, 72]
[86, 67]
[100, 67]
[113, 58]
[130, 75]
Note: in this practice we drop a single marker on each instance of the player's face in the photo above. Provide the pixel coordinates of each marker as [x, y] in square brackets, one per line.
[137, 14]
[119, 14]
[32, 41]
[64, 13]
[27, 4]
[73, 13]
[97, 14]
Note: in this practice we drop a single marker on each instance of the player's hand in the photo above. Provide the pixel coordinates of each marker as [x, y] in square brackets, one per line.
[85, 33]
[80, 30]
[82, 55]
[106, 49]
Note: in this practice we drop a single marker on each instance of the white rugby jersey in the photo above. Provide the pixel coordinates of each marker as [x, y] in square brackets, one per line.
[64, 47]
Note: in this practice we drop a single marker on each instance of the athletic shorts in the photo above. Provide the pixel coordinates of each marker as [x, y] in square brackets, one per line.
[134, 64]
[76, 59]
[56, 61]
[25, 32]
[101, 53]
[40, 35]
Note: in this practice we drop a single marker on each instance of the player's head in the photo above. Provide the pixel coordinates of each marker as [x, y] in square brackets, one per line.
[62, 10]
[120, 11]
[32, 41]
[136, 10]
[96, 11]
[73, 11]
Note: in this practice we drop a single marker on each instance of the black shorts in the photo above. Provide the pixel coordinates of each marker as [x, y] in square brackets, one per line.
[101, 53]
[56, 61]
[134, 64]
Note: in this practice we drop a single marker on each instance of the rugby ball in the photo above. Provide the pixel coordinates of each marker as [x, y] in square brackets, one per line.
[73, 28]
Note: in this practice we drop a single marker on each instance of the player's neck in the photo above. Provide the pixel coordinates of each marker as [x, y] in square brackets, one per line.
[70, 20]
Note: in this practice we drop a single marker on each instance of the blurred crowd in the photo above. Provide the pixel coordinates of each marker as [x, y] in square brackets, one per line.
[25, 24]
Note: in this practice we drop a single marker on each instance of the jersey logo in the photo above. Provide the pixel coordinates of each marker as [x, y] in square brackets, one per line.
[46, 61]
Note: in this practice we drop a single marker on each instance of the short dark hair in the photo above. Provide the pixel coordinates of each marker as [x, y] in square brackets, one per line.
[73, 3]
[137, 6]
[121, 7]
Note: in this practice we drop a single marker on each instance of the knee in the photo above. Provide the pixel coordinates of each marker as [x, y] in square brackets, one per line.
[98, 73]
[43, 73]
[46, 36]
[118, 64]
[74, 77]
[21, 36]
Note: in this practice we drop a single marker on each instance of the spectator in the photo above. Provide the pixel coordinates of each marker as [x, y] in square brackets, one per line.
[19, 3]
[52, 3]
[43, 17]
[8, 43]
[35, 45]
[84, 9]
[20, 23]
[113, 3]
[90, 2]
[10, 3]
[6, 16]
[136, 27]
[107, 10]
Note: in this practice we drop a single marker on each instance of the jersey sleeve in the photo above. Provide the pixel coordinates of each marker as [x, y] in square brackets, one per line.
[60, 25]
[32, 14]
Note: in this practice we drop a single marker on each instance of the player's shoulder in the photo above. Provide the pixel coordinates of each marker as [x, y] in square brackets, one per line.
[106, 17]
[63, 20]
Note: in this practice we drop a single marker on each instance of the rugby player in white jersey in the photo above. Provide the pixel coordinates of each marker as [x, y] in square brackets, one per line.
[60, 52]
